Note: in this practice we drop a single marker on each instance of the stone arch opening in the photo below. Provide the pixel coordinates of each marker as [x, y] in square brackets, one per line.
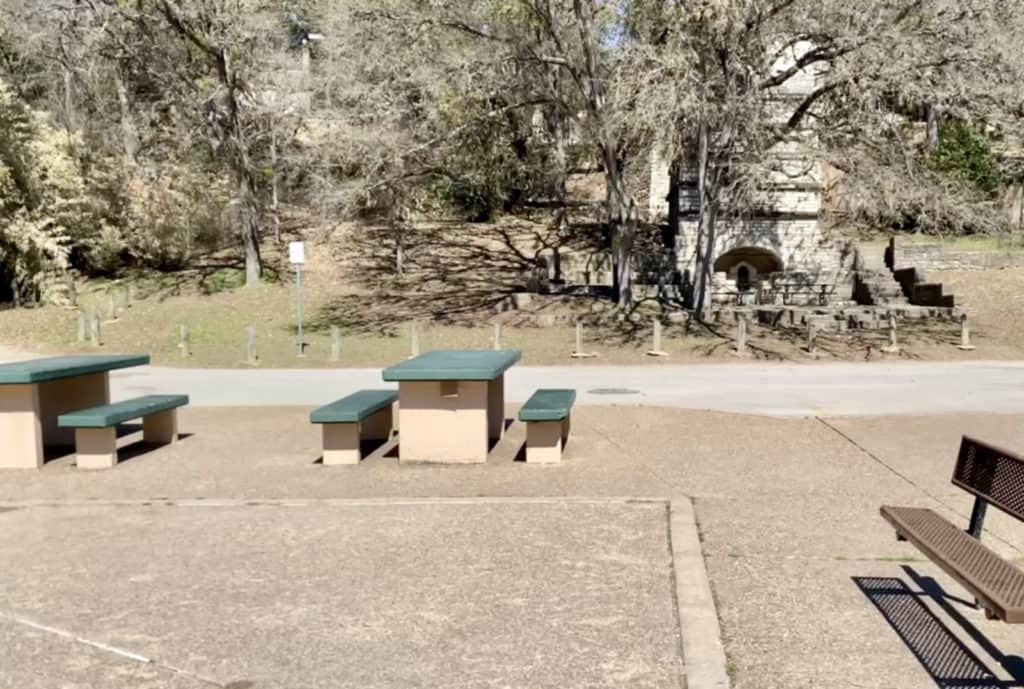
[746, 264]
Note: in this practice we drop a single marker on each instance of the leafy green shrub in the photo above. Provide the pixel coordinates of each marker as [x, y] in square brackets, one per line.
[965, 153]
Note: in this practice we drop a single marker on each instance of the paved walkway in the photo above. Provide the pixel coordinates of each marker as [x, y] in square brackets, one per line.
[766, 389]
[234, 557]
[340, 595]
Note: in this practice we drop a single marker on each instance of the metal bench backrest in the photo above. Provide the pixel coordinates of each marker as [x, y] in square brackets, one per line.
[991, 474]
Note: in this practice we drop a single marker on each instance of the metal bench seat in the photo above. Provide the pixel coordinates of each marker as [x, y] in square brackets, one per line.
[994, 581]
[994, 477]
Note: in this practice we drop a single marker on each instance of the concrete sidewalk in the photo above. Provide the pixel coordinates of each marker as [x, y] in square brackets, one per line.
[812, 589]
[876, 389]
[384, 595]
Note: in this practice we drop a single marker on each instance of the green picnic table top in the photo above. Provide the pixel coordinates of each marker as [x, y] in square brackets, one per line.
[55, 368]
[454, 364]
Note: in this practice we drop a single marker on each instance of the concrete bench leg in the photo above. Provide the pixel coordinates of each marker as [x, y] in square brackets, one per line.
[20, 430]
[96, 448]
[566, 425]
[161, 427]
[379, 425]
[544, 441]
[341, 444]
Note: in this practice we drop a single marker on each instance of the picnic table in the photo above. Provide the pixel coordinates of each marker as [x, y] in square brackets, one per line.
[34, 393]
[451, 404]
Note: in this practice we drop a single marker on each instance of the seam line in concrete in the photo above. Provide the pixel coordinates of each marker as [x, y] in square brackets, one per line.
[107, 648]
[703, 651]
[74, 637]
[674, 587]
[337, 502]
[907, 479]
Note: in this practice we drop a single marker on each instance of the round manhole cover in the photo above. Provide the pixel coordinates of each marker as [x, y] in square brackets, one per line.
[613, 391]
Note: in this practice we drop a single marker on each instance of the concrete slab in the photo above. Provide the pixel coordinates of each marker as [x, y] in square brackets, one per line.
[481, 594]
[31, 658]
[813, 623]
[787, 511]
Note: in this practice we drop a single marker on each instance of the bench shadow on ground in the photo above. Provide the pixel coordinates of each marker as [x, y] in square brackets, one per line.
[125, 452]
[52, 453]
[949, 662]
[368, 447]
[141, 448]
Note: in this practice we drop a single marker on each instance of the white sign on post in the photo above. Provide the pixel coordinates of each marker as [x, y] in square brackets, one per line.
[296, 253]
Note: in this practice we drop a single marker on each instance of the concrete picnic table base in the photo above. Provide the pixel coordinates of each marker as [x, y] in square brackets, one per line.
[450, 422]
[28, 416]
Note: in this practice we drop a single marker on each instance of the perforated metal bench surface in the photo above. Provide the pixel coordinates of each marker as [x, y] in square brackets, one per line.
[995, 477]
[112, 414]
[992, 579]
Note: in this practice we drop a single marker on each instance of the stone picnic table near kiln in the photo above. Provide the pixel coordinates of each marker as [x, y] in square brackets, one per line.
[34, 393]
[451, 404]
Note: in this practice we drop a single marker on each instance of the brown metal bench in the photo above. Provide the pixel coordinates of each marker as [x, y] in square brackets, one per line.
[994, 477]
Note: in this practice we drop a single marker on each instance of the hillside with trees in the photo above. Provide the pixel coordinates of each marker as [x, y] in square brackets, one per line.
[150, 133]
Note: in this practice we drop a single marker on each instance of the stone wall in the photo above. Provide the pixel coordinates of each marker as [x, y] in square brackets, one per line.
[798, 243]
[936, 256]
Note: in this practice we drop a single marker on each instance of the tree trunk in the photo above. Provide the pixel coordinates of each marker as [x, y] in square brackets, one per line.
[623, 226]
[932, 114]
[250, 228]
[622, 221]
[675, 175]
[129, 135]
[274, 199]
[70, 120]
[705, 228]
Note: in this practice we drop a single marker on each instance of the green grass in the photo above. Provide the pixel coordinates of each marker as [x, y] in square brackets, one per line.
[217, 323]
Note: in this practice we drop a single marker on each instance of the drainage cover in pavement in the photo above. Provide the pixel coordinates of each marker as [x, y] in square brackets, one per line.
[613, 391]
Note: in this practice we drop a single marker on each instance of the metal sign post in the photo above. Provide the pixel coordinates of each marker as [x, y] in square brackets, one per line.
[297, 257]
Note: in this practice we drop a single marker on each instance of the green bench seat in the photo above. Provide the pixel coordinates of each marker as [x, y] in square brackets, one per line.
[548, 405]
[363, 415]
[546, 415]
[118, 412]
[96, 427]
[355, 407]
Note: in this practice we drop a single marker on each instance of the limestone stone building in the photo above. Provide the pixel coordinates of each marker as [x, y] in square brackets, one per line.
[778, 252]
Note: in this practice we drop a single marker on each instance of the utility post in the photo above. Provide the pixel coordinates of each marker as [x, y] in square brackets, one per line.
[297, 257]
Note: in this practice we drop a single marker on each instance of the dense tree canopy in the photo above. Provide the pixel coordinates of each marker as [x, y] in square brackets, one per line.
[147, 131]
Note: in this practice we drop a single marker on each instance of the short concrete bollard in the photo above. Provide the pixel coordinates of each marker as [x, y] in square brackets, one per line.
[82, 326]
[894, 345]
[184, 344]
[112, 311]
[250, 346]
[496, 338]
[579, 353]
[656, 350]
[95, 337]
[414, 344]
[335, 343]
[965, 335]
[811, 349]
[741, 337]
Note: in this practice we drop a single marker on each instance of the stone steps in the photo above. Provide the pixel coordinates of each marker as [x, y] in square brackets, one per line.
[877, 288]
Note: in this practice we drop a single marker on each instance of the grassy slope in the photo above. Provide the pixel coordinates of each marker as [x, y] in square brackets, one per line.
[218, 316]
